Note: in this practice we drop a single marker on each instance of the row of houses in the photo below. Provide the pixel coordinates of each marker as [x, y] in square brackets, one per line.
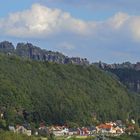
[109, 128]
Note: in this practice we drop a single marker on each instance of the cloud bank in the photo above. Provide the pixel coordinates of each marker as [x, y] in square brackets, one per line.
[41, 22]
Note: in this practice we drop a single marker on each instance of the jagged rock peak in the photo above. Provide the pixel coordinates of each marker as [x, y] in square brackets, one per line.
[6, 47]
[27, 50]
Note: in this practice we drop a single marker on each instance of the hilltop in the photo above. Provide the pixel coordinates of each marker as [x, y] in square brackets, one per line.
[28, 50]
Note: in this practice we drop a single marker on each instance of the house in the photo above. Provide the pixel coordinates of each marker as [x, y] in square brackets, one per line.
[73, 131]
[110, 128]
[43, 131]
[103, 128]
[58, 133]
[119, 130]
[28, 132]
[92, 130]
[23, 130]
[12, 128]
[85, 131]
[59, 130]
[20, 129]
[79, 131]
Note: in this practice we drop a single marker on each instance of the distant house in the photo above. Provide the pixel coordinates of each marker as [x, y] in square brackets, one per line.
[20, 129]
[119, 130]
[28, 132]
[85, 131]
[23, 130]
[43, 131]
[110, 128]
[59, 130]
[12, 128]
[103, 128]
[92, 130]
[73, 131]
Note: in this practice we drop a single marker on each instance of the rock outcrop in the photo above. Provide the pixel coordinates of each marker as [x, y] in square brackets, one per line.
[27, 50]
[125, 65]
[127, 73]
[6, 47]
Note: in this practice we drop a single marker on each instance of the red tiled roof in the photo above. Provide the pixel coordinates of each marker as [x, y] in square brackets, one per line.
[104, 126]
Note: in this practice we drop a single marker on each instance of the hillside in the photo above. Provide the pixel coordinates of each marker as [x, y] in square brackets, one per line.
[127, 73]
[33, 91]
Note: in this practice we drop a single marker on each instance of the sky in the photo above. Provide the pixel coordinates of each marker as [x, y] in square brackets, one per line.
[99, 30]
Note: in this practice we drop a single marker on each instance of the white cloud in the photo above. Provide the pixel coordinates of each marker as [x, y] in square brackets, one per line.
[135, 28]
[121, 25]
[40, 21]
[118, 20]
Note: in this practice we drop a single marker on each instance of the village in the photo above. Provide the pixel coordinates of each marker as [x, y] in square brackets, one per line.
[114, 129]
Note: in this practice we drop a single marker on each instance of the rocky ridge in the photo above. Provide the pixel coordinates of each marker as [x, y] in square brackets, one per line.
[125, 65]
[127, 73]
[27, 50]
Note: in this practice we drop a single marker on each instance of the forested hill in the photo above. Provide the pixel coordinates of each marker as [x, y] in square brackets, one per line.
[33, 91]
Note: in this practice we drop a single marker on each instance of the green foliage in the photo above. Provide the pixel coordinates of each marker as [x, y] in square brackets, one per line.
[59, 93]
[3, 124]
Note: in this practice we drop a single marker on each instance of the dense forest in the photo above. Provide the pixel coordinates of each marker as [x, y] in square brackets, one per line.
[34, 91]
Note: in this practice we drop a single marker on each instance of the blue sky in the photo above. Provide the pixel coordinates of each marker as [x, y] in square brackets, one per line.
[103, 30]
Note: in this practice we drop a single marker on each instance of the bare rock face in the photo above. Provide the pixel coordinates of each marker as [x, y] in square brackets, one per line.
[6, 47]
[27, 50]
[137, 86]
[35, 53]
[137, 66]
[133, 85]
[125, 65]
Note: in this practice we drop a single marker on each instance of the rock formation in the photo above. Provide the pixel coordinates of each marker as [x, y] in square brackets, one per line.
[27, 50]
